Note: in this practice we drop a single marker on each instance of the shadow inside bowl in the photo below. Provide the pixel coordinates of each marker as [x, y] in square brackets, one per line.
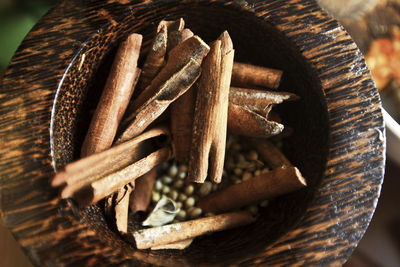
[255, 42]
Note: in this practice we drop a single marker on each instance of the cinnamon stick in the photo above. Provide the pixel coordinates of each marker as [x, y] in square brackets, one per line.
[176, 245]
[272, 155]
[174, 28]
[258, 101]
[162, 235]
[121, 207]
[109, 184]
[106, 162]
[155, 58]
[211, 112]
[267, 185]
[115, 97]
[191, 49]
[174, 87]
[246, 75]
[243, 121]
[141, 197]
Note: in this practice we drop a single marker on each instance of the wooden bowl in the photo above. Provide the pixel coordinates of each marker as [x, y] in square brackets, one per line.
[339, 142]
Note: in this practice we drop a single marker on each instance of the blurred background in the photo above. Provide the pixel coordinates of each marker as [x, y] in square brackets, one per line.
[373, 24]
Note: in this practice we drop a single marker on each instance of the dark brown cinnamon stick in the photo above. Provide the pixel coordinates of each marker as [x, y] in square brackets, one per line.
[210, 118]
[267, 185]
[246, 75]
[243, 121]
[115, 97]
[167, 234]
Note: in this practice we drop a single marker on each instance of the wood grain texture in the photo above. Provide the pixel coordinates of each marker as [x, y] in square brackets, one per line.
[338, 143]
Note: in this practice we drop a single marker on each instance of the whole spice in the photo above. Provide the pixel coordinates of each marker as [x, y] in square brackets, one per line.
[267, 185]
[243, 121]
[210, 118]
[115, 97]
[171, 233]
[270, 153]
[98, 189]
[80, 173]
[246, 75]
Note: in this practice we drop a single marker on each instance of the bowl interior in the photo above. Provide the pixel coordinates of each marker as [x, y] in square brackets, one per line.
[256, 42]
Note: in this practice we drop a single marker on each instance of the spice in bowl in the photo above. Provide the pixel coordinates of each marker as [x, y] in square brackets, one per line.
[191, 150]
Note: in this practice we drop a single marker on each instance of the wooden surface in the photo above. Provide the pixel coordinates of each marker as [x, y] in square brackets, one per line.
[338, 142]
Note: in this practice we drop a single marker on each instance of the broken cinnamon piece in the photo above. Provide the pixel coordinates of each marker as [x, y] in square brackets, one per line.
[211, 112]
[264, 186]
[171, 233]
[172, 26]
[174, 87]
[272, 155]
[141, 197]
[246, 75]
[106, 162]
[258, 100]
[155, 58]
[115, 97]
[121, 207]
[109, 184]
[243, 121]
[176, 245]
[191, 49]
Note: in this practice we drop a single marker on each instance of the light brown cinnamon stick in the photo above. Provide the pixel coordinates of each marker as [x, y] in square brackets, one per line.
[267, 185]
[246, 75]
[121, 207]
[211, 112]
[258, 100]
[272, 155]
[115, 97]
[176, 245]
[162, 235]
[191, 49]
[243, 121]
[141, 197]
[109, 184]
[174, 87]
[106, 162]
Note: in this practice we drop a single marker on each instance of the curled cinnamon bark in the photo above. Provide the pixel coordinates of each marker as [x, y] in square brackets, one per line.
[82, 171]
[243, 121]
[162, 235]
[168, 92]
[115, 97]
[104, 186]
[211, 112]
[267, 185]
[272, 155]
[246, 75]
[191, 49]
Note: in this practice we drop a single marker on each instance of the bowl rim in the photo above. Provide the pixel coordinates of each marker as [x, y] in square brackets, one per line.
[27, 104]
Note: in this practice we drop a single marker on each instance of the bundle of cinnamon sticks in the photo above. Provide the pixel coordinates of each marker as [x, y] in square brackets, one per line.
[190, 94]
